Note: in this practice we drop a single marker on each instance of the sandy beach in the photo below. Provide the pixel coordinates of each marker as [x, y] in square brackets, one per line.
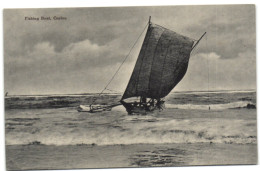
[36, 157]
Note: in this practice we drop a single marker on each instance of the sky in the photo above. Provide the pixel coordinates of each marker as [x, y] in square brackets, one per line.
[82, 53]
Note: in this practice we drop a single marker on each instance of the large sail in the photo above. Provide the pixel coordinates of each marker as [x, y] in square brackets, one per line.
[161, 64]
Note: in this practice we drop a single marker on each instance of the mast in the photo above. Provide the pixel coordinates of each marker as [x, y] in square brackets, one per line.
[143, 98]
[198, 41]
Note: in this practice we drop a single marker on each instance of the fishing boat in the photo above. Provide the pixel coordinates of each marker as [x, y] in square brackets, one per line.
[160, 66]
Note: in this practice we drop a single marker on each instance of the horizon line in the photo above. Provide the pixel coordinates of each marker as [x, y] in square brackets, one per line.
[177, 91]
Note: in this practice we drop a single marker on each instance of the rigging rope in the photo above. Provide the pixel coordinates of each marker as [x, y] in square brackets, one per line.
[196, 52]
[122, 62]
[113, 90]
[208, 66]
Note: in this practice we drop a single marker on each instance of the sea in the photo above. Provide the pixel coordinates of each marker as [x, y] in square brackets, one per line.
[192, 129]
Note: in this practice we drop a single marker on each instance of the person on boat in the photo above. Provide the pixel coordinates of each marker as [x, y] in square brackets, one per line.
[159, 104]
[152, 102]
[143, 99]
[90, 108]
[143, 102]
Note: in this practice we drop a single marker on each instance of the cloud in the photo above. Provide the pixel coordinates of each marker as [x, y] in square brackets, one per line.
[208, 56]
[82, 53]
[80, 67]
[211, 72]
[230, 30]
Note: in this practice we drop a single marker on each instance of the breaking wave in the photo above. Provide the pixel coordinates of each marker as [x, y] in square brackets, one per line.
[154, 137]
[146, 131]
[233, 105]
[54, 125]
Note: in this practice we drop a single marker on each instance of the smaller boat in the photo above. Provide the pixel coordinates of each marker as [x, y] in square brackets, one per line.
[94, 108]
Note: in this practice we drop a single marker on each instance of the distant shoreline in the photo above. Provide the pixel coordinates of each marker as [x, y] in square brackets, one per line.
[114, 93]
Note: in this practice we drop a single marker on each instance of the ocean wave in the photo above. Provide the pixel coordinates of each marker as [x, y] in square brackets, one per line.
[169, 136]
[233, 105]
[61, 95]
[214, 92]
[156, 132]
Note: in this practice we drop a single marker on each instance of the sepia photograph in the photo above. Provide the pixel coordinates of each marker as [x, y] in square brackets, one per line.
[130, 87]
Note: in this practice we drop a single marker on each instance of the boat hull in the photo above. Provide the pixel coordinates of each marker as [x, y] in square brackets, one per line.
[136, 109]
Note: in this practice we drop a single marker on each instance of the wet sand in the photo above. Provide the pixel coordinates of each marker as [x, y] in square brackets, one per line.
[36, 157]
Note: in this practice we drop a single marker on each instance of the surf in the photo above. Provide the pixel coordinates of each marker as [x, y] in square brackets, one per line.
[232, 105]
[141, 130]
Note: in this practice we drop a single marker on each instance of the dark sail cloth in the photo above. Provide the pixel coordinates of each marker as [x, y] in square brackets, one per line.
[161, 64]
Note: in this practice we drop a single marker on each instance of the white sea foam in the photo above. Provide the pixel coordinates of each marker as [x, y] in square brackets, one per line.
[214, 92]
[238, 104]
[149, 130]
[119, 108]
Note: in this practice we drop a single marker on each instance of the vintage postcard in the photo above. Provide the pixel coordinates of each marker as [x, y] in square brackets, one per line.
[110, 87]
